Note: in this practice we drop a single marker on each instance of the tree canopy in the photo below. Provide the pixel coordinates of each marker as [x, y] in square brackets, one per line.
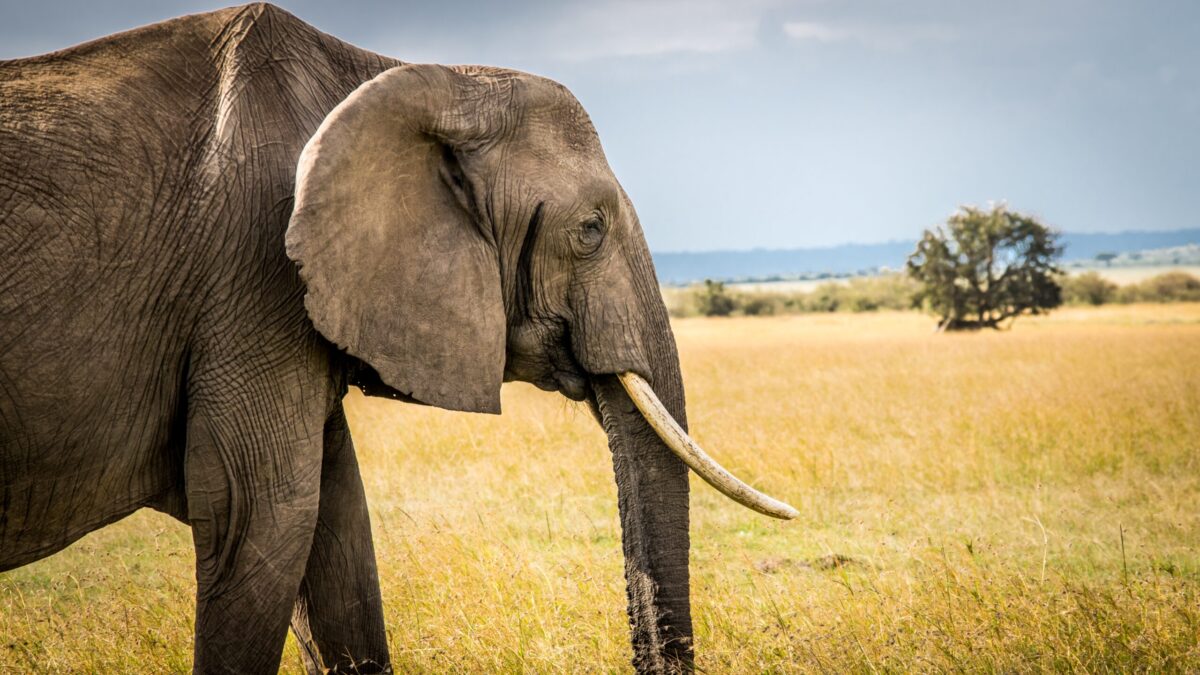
[984, 267]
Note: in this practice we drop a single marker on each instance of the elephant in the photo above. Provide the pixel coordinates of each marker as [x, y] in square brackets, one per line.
[211, 228]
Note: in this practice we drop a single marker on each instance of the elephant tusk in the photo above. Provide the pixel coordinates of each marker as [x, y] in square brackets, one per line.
[686, 449]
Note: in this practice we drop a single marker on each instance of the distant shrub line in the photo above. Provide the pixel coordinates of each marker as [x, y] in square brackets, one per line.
[901, 292]
[1090, 288]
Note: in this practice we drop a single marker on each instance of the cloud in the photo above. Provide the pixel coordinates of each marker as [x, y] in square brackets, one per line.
[819, 32]
[623, 28]
[887, 38]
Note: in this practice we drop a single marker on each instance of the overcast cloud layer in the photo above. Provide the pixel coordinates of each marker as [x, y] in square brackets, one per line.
[769, 123]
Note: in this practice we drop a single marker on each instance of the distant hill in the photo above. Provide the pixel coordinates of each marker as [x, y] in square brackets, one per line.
[847, 259]
[1187, 255]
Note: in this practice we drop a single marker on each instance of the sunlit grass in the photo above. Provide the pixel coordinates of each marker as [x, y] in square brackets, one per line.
[1013, 501]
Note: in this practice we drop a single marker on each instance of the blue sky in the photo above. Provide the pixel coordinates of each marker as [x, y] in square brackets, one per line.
[774, 123]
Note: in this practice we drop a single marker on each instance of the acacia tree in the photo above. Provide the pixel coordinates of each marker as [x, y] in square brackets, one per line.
[983, 267]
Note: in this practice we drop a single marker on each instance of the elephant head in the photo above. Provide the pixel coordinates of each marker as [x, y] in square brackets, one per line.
[457, 227]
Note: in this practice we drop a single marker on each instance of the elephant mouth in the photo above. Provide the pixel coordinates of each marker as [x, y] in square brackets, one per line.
[569, 383]
[556, 371]
[539, 353]
[572, 385]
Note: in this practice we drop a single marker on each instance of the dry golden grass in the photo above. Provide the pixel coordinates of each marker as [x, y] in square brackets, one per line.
[1019, 501]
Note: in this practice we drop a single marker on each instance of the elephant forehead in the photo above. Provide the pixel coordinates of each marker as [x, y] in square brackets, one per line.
[548, 164]
[562, 122]
[571, 194]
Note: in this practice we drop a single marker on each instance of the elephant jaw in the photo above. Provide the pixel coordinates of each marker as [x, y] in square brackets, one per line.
[680, 443]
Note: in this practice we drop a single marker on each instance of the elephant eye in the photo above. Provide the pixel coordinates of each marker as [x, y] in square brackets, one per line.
[591, 233]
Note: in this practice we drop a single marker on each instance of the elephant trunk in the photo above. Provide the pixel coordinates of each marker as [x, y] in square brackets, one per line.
[652, 493]
[622, 336]
[652, 482]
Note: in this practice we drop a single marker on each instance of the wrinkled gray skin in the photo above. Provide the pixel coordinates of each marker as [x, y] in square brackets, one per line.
[161, 346]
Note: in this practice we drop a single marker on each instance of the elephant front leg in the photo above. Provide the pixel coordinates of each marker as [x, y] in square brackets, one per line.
[252, 489]
[338, 618]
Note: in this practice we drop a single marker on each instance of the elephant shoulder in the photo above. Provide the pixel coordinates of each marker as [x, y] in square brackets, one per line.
[212, 70]
[278, 74]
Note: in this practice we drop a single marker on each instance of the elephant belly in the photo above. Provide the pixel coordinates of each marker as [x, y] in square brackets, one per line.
[75, 458]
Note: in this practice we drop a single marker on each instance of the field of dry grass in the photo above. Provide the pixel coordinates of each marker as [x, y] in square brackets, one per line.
[1017, 501]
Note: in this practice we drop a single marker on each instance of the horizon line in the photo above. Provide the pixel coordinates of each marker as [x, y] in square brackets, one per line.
[825, 247]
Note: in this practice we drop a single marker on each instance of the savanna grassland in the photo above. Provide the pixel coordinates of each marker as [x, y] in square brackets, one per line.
[1018, 501]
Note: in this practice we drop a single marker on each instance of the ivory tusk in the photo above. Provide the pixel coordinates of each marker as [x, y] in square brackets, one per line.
[682, 445]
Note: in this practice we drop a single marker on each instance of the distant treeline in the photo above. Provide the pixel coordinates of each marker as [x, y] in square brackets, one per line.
[1090, 288]
[900, 292]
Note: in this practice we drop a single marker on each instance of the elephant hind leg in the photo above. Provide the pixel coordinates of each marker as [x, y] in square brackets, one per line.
[338, 618]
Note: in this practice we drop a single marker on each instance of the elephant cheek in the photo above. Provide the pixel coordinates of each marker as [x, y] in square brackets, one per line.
[609, 334]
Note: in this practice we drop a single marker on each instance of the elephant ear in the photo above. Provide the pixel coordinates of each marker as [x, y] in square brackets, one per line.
[399, 268]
